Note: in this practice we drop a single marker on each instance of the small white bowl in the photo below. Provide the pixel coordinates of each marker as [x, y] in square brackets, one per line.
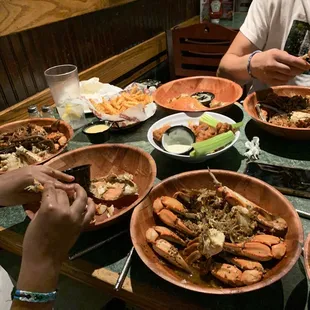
[183, 119]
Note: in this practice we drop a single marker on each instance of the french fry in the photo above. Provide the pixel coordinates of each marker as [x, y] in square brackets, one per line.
[123, 101]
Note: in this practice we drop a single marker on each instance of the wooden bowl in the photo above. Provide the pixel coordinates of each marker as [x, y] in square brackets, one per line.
[223, 89]
[307, 255]
[105, 159]
[64, 128]
[253, 189]
[284, 132]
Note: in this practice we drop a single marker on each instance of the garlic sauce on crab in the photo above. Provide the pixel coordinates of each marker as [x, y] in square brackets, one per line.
[216, 238]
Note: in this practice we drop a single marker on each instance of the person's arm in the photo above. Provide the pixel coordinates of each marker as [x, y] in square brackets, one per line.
[272, 67]
[233, 65]
[49, 236]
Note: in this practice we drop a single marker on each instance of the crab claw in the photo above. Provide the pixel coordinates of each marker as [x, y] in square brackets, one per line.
[172, 204]
[173, 221]
[243, 264]
[165, 233]
[278, 247]
[163, 206]
[191, 251]
[261, 248]
[233, 276]
[170, 253]
[254, 250]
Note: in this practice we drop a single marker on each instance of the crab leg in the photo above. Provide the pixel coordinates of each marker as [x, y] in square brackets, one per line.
[173, 221]
[166, 250]
[254, 250]
[165, 233]
[233, 276]
[242, 263]
[274, 224]
[163, 206]
[37, 187]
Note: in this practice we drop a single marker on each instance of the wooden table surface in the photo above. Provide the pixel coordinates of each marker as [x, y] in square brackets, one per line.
[144, 288]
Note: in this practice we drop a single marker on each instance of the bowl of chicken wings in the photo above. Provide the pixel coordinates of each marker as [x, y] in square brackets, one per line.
[194, 139]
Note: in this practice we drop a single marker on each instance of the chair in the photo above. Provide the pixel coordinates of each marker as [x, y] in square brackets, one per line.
[197, 49]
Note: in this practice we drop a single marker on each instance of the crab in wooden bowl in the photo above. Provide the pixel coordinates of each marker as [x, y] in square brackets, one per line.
[198, 94]
[32, 142]
[307, 255]
[217, 232]
[282, 111]
[120, 178]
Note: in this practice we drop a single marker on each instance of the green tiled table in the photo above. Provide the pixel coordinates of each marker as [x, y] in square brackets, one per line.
[236, 22]
[142, 287]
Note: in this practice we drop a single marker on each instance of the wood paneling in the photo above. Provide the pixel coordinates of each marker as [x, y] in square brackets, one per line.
[135, 62]
[19, 15]
[83, 40]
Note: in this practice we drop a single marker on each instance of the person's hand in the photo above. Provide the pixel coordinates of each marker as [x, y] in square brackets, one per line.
[51, 234]
[13, 184]
[275, 67]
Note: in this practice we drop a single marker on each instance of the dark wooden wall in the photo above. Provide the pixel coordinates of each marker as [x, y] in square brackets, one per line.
[83, 40]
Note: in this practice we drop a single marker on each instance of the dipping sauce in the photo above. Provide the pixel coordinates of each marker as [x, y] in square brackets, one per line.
[178, 139]
[97, 128]
[178, 148]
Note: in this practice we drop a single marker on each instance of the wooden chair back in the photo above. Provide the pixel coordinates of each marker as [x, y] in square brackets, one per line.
[197, 49]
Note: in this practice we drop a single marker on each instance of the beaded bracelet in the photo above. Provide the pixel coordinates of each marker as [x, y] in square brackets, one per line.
[249, 63]
[33, 296]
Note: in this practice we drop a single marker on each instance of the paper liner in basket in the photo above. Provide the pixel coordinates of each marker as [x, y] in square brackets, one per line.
[136, 114]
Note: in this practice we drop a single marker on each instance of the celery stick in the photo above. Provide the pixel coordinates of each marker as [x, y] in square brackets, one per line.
[211, 121]
[212, 144]
[237, 125]
[192, 154]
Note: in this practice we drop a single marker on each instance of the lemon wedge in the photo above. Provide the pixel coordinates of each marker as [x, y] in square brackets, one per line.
[70, 113]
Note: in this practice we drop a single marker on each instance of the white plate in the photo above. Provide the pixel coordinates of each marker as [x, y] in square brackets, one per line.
[183, 119]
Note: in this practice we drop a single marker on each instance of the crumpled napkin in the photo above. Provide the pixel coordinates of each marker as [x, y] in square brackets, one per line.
[253, 149]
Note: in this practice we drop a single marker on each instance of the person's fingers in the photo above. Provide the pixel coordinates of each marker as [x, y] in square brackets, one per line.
[90, 213]
[292, 61]
[48, 196]
[56, 174]
[80, 201]
[284, 69]
[62, 199]
[65, 187]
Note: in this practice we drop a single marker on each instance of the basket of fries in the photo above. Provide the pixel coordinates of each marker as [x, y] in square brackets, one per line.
[132, 105]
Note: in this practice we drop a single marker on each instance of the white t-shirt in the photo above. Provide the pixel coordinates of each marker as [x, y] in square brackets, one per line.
[281, 24]
[6, 286]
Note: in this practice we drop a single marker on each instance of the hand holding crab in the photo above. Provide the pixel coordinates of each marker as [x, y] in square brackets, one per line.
[14, 183]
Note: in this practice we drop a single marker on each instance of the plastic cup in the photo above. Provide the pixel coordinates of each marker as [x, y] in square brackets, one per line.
[64, 84]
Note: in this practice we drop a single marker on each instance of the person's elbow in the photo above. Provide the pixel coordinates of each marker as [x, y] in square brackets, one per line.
[223, 70]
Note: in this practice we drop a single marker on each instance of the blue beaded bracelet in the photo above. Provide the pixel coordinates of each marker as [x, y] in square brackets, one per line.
[249, 63]
[33, 296]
